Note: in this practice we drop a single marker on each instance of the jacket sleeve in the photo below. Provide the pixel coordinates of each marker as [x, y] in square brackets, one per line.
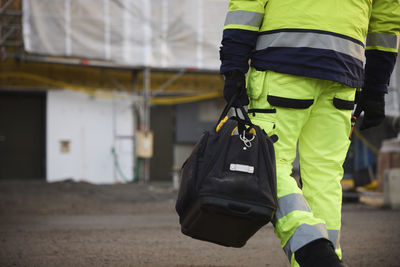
[382, 44]
[242, 24]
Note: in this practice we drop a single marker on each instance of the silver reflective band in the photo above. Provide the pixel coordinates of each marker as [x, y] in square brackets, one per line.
[289, 203]
[303, 235]
[242, 17]
[334, 237]
[288, 253]
[311, 40]
[241, 168]
[383, 40]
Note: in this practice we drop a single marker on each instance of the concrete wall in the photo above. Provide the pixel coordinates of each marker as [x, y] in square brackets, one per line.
[89, 125]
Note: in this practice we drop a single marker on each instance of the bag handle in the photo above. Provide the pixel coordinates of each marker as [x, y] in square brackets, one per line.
[228, 106]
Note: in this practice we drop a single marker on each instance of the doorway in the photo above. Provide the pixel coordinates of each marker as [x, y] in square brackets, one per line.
[162, 124]
[22, 135]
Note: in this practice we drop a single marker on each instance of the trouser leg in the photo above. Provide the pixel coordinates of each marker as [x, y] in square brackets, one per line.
[295, 224]
[323, 146]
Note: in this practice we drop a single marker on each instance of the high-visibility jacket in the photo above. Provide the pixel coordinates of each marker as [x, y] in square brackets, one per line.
[327, 39]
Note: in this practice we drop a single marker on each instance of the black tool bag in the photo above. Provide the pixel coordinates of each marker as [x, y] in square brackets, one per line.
[228, 183]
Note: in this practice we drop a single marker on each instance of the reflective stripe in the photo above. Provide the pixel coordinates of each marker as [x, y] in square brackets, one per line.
[311, 40]
[242, 17]
[287, 251]
[304, 61]
[334, 237]
[303, 235]
[289, 203]
[384, 40]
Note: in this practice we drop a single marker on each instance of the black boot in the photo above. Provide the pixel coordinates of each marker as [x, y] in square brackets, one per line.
[318, 253]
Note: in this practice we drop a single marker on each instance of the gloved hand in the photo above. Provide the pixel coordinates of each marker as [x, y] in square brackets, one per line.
[235, 83]
[373, 105]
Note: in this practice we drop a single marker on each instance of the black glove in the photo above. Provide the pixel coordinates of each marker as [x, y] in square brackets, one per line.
[373, 105]
[235, 84]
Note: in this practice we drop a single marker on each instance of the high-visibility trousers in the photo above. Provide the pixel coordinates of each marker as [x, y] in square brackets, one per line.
[315, 116]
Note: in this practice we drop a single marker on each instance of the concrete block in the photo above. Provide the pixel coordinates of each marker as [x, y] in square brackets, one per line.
[388, 158]
[391, 188]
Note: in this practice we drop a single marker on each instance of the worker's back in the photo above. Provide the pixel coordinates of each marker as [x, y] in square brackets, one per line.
[345, 17]
[307, 59]
[318, 39]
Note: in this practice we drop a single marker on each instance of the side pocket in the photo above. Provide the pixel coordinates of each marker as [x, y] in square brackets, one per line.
[344, 101]
[255, 83]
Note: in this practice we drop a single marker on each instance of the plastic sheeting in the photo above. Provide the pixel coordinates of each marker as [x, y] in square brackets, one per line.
[156, 33]
[152, 33]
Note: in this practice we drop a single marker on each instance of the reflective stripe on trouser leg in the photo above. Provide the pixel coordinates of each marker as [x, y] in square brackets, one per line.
[304, 234]
[334, 237]
[323, 146]
[290, 203]
[295, 224]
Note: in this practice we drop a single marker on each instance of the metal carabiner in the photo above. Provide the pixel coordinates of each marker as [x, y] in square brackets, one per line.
[246, 141]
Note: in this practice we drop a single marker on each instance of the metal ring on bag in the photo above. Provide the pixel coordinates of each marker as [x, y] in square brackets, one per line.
[246, 141]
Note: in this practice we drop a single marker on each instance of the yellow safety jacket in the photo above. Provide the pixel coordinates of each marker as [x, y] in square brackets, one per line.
[327, 39]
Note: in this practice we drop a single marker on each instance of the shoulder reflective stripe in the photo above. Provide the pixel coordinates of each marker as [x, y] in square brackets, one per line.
[383, 40]
[334, 237]
[311, 40]
[289, 203]
[303, 235]
[242, 17]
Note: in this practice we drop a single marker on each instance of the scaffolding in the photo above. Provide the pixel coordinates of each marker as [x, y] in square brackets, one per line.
[10, 28]
[12, 47]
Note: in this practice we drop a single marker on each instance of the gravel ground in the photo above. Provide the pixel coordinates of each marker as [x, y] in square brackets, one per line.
[78, 224]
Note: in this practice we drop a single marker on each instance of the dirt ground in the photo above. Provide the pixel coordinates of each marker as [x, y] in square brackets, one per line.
[78, 224]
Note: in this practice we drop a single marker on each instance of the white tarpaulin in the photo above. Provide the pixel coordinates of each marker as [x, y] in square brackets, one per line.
[151, 33]
[156, 33]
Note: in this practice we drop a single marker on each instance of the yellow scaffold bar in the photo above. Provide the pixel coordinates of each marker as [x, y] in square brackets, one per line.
[169, 100]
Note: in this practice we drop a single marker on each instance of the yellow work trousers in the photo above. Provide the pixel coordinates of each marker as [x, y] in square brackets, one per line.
[315, 116]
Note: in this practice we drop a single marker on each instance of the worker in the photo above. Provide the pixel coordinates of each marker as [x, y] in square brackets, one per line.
[305, 61]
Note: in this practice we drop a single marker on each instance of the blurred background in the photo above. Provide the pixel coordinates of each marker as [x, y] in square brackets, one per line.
[106, 91]
[113, 92]
[120, 91]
